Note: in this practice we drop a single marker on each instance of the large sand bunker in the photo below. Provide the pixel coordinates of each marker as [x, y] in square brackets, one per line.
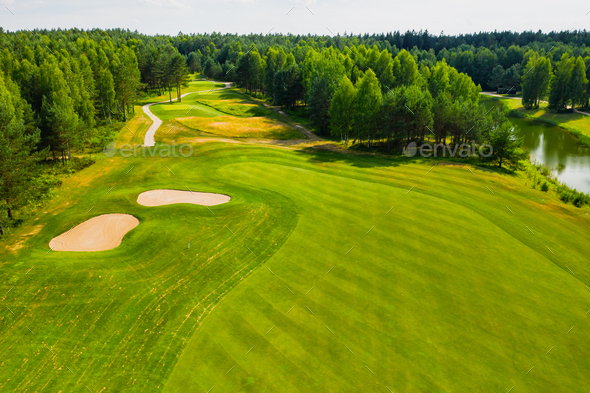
[170, 197]
[97, 234]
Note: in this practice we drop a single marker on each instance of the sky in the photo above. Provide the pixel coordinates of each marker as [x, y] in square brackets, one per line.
[328, 17]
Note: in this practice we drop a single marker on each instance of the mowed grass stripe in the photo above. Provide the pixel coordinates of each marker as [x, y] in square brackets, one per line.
[448, 285]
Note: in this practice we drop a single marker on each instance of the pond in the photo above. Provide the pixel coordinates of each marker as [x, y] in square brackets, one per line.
[555, 148]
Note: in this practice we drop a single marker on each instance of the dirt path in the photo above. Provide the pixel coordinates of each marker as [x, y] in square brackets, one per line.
[518, 98]
[149, 139]
[310, 135]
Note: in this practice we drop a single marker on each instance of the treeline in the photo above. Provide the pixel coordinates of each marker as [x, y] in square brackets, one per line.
[496, 61]
[63, 91]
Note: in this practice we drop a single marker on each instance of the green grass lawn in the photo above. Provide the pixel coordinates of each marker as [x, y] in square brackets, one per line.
[576, 123]
[225, 113]
[326, 272]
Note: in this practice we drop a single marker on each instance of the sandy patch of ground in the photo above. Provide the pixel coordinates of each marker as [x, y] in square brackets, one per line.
[170, 197]
[97, 234]
[24, 237]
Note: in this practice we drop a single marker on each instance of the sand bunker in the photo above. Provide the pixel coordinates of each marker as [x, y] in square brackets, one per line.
[97, 234]
[170, 197]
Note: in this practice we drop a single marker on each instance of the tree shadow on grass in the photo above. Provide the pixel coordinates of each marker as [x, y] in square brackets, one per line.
[329, 153]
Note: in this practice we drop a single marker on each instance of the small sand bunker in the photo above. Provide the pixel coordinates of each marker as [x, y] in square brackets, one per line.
[170, 197]
[97, 234]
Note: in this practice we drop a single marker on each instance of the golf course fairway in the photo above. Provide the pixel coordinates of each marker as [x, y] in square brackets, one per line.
[327, 272]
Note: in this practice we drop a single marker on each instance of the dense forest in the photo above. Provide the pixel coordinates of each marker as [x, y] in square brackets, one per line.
[69, 90]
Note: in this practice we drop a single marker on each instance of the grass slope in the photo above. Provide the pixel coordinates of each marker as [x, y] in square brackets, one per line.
[448, 292]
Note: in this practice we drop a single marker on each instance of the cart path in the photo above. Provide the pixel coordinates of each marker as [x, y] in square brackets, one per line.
[149, 139]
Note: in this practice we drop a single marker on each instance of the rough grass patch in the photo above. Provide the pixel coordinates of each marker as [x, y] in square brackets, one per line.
[235, 127]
